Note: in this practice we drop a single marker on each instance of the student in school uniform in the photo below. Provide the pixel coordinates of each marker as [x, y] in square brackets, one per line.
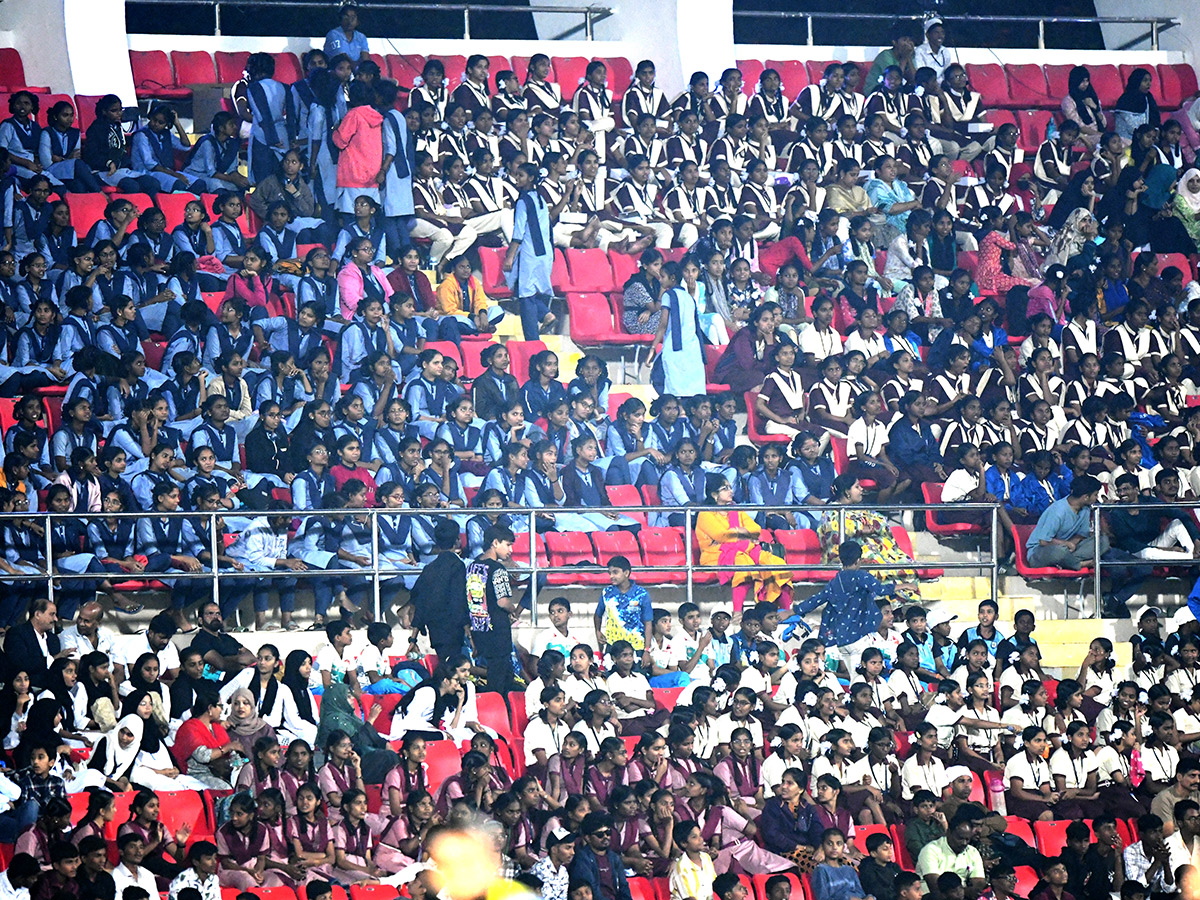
[270, 130]
[60, 151]
[213, 162]
[153, 148]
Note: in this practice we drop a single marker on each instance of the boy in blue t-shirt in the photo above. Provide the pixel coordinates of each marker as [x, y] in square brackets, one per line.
[624, 612]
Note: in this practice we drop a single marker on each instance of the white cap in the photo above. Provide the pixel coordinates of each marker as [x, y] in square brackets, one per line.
[955, 772]
[1182, 616]
[726, 608]
[939, 616]
[930, 22]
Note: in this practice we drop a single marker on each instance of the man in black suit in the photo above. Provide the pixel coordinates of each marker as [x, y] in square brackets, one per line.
[33, 645]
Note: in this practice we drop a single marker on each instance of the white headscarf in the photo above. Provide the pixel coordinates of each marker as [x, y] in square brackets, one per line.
[117, 759]
[1191, 198]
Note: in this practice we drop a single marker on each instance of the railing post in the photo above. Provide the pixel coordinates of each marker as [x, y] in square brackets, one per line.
[1041, 34]
[49, 561]
[995, 553]
[1096, 560]
[213, 549]
[217, 18]
[1154, 34]
[587, 24]
[375, 580]
[808, 22]
[533, 568]
[466, 23]
[687, 554]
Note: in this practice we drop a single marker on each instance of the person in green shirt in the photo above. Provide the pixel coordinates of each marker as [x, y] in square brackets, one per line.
[902, 54]
[926, 826]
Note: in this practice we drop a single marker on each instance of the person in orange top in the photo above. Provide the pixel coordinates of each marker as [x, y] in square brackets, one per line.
[461, 295]
[360, 138]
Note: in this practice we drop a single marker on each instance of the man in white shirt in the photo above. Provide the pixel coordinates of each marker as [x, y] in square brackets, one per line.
[87, 635]
[558, 636]
[129, 872]
[155, 639]
[932, 53]
[1181, 845]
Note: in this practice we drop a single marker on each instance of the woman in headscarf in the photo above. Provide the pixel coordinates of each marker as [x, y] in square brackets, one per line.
[1074, 238]
[144, 677]
[337, 715]
[245, 725]
[1136, 105]
[154, 766]
[114, 756]
[1081, 105]
[41, 730]
[1144, 206]
[1080, 193]
[1187, 205]
[300, 706]
[62, 683]
[203, 746]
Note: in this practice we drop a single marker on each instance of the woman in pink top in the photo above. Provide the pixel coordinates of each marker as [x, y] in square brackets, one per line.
[1050, 297]
[360, 138]
[252, 283]
[361, 278]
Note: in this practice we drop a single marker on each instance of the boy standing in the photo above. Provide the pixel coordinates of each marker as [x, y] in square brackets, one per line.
[492, 606]
[986, 630]
[624, 612]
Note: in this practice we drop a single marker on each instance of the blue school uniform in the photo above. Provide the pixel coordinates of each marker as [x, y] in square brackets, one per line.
[162, 245]
[285, 334]
[220, 341]
[22, 139]
[323, 154]
[462, 440]
[25, 296]
[352, 232]
[228, 240]
[539, 400]
[269, 134]
[210, 157]
[398, 144]
[495, 440]
[149, 150]
[309, 489]
[680, 488]
[52, 143]
[767, 491]
[29, 224]
[281, 245]
[426, 398]
[223, 441]
[321, 291]
[357, 341]
[181, 340]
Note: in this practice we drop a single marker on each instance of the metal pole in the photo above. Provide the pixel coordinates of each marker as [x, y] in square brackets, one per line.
[587, 24]
[466, 23]
[995, 553]
[809, 28]
[687, 555]
[1154, 34]
[217, 17]
[1096, 559]
[375, 563]
[213, 549]
[1041, 34]
[533, 568]
[49, 562]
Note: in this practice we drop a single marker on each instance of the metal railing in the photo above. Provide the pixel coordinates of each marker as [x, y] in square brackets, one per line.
[1155, 23]
[533, 569]
[590, 14]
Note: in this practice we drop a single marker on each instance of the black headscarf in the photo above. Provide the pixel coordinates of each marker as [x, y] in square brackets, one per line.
[1134, 101]
[1072, 199]
[298, 684]
[1080, 95]
[40, 730]
[151, 736]
[1112, 204]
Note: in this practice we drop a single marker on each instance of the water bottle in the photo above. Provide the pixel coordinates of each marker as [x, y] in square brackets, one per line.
[1051, 130]
[995, 786]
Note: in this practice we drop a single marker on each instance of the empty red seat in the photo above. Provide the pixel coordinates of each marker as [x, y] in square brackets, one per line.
[1033, 124]
[591, 320]
[569, 548]
[402, 69]
[179, 808]
[589, 270]
[1027, 86]
[615, 543]
[1056, 81]
[990, 82]
[521, 549]
[560, 280]
[493, 712]
[1178, 84]
[491, 266]
[624, 267]
[569, 71]
[1108, 84]
[442, 759]
[661, 547]
[287, 68]
[152, 76]
[193, 67]
[12, 72]
[230, 65]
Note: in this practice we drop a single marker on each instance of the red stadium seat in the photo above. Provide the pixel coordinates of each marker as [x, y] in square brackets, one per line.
[661, 547]
[903, 857]
[568, 548]
[86, 210]
[172, 206]
[1108, 84]
[625, 495]
[491, 266]
[498, 64]
[287, 68]
[560, 280]
[1020, 829]
[1033, 124]
[1052, 836]
[473, 366]
[989, 81]
[516, 706]
[85, 110]
[841, 460]
[624, 267]
[402, 70]
[1021, 535]
[442, 760]
[1178, 82]
[193, 67]
[177, 808]
[755, 425]
[1056, 80]
[1027, 880]
[620, 75]
[1027, 87]
[568, 72]
[152, 76]
[591, 320]
[520, 67]
[751, 70]
[615, 543]
[230, 65]
[493, 712]
[932, 492]
[815, 68]
[665, 698]
[372, 892]
[519, 354]
[12, 72]
[521, 549]
[589, 270]
[153, 352]
[791, 72]
[862, 832]
[642, 889]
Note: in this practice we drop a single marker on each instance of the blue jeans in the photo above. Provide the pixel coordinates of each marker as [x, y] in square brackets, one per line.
[533, 310]
[17, 819]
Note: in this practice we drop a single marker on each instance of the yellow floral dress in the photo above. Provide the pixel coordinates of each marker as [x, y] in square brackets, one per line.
[879, 545]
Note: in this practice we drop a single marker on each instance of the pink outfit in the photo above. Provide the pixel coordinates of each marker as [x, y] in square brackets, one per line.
[252, 290]
[350, 288]
[360, 138]
[989, 274]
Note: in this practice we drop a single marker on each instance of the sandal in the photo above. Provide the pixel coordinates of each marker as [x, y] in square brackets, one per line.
[129, 610]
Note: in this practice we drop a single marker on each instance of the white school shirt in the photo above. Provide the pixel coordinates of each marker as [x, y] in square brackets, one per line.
[1160, 763]
[553, 639]
[724, 727]
[1108, 761]
[1075, 771]
[873, 437]
[959, 484]
[633, 686]
[540, 736]
[1033, 773]
[915, 777]
[944, 719]
[905, 685]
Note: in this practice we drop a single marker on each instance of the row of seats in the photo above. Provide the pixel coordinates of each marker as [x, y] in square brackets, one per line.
[88, 209]
[1013, 86]
[163, 77]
